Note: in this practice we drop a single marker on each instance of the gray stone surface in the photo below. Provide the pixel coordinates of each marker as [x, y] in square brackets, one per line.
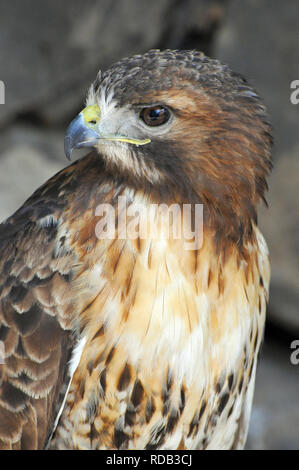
[280, 224]
[259, 38]
[50, 51]
[275, 415]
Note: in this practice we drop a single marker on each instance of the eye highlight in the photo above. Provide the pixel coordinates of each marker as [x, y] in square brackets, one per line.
[155, 115]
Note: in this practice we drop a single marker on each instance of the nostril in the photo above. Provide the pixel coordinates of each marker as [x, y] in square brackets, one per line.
[92, 122]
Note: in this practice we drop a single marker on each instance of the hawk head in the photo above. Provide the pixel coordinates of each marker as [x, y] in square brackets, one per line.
[180, 125]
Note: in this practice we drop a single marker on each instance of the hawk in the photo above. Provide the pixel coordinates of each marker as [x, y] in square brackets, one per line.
[137, 342]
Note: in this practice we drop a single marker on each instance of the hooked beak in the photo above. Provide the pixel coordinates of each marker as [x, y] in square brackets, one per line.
[85, 131]
[82, 130]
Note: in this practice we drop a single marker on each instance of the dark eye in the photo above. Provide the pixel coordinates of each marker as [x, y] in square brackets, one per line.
[155, 116]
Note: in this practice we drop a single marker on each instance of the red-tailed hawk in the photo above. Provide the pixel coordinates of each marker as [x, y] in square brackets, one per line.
[134, 342]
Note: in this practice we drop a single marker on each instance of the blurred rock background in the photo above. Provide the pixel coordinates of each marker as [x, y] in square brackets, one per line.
[50, 52]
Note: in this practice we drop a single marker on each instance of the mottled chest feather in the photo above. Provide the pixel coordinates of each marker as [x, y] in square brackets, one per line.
[169, 344]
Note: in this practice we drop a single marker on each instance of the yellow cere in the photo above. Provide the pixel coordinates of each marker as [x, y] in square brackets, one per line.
[91, 113]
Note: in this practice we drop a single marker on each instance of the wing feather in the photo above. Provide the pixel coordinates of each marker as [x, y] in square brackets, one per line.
[34, 330]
